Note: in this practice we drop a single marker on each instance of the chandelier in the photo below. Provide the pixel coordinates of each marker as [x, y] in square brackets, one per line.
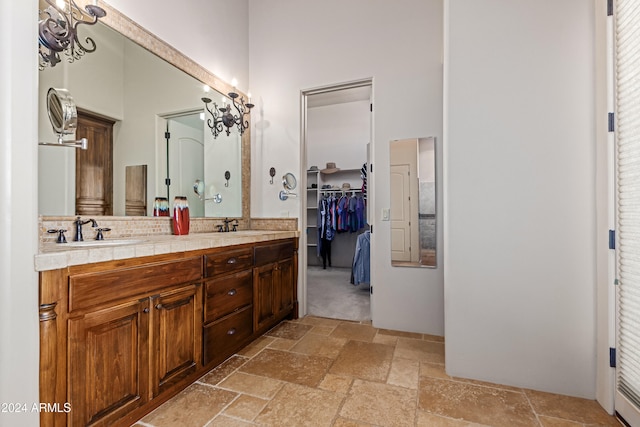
[58, 31]
[223, 115]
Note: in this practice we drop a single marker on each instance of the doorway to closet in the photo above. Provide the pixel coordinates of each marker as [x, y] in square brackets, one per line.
[337, 123]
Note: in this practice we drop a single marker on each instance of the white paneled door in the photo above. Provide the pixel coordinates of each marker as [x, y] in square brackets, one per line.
[400, 214]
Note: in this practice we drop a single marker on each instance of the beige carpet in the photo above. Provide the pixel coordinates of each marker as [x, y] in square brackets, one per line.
[330, 294]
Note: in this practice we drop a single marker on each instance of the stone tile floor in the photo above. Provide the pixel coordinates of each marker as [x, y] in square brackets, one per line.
[324, 372]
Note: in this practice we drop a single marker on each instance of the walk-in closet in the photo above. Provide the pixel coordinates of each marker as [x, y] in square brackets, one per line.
[337, 136]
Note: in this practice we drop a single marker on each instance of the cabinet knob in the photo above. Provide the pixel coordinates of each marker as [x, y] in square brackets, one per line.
[158, 306]
[145, 310]
[232, 260]
[232, 292]
[231, 331]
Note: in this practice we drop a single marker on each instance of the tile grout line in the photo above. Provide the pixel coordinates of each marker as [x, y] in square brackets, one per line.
[535, 413]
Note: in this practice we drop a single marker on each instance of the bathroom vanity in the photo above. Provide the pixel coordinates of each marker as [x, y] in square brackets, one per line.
[125, 327]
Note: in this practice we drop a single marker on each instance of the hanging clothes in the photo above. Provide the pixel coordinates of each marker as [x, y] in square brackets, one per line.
[360, 213]
[353, 219]
[342, 210]
[363, 175]
[326, 228]
[361, 259]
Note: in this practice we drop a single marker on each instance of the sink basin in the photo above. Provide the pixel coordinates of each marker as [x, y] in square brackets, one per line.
[102, 243]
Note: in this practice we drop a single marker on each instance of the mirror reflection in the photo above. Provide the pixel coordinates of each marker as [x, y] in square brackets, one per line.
[413, 202]
[135, 109]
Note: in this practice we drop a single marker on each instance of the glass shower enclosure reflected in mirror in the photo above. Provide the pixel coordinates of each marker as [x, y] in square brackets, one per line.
[413, 202]
[195, 158]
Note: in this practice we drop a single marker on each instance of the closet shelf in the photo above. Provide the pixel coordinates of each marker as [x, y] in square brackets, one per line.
[339, 190]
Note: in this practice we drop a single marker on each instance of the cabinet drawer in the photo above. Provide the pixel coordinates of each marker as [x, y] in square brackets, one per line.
[91, 289]
[226, 262]
[222, 338]
[227, 293]
[275, 252]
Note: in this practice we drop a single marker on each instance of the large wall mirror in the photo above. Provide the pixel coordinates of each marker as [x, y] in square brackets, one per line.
[413, 202]
[151, 100]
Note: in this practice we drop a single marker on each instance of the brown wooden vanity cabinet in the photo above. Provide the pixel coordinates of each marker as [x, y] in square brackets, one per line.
[108, 363]
[177, 333]
[228, 303]
[274, 278]
[119, 338]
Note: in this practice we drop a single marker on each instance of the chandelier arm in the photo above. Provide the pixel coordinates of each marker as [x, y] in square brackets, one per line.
[239, 106]
[91, 45]
[245, 125]
[215, 122]
[54, 33]
[59, 31]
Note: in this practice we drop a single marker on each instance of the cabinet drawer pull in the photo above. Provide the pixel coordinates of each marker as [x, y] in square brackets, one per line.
[232, 292]
[158, 306]
[146, 310]
[232, 260]
[231, 331]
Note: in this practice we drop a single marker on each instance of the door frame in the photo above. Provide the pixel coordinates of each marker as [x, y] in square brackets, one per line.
[302, 254]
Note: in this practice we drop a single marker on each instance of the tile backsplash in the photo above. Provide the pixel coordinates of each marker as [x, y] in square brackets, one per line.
[126, 227]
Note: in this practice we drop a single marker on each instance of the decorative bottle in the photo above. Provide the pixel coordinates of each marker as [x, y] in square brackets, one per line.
[180, 216]
[161, 207]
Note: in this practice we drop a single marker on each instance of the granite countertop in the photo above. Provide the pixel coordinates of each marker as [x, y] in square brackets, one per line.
[53, 256]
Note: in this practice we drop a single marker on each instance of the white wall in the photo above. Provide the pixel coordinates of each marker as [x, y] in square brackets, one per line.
[19, 326]
[211, 32]
[298, 45]
[290, 52]
[222, 154]
[338, 133]
[519, 193]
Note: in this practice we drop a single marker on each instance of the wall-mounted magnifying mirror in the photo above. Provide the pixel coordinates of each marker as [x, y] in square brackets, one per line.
[413, 201]
[63, 116]
[289, 182]
[62, 111]
[198, 188]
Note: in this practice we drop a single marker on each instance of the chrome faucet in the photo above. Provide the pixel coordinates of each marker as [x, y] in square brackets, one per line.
[79, 223]
[225, 228]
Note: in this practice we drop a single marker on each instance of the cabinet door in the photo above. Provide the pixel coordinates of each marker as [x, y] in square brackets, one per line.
[263, 294]
[284, 287]
[177, 336]
[108, 363]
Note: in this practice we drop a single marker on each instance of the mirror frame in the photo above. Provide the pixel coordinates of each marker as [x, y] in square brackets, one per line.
[122, 24]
